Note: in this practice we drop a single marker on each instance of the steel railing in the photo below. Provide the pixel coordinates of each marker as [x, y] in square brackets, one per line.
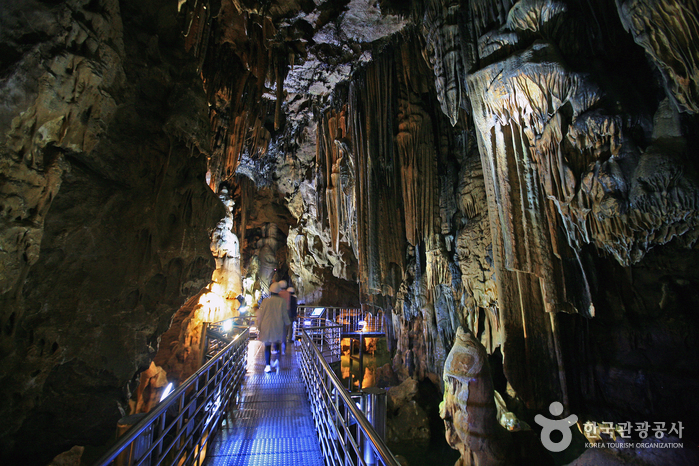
[346, 437]
[352, 319]
[356, 320]
[233, 326]
[178, 430]
[324, 334]
[330, 312]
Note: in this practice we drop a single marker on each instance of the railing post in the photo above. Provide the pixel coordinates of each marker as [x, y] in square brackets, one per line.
[374, 408]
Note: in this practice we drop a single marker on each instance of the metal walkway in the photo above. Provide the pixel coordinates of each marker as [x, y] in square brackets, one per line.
[271, 422]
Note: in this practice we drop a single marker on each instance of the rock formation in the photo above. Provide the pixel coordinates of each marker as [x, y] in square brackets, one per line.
[105, 214]
[469, 410]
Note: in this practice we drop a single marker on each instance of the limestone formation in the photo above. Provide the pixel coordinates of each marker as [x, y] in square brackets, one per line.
[468, 409]
[443, 39]
[667, 30]
[406, 419]
[225, 248]
[69, 458]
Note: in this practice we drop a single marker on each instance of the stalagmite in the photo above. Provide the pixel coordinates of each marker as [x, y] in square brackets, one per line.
[469, 409]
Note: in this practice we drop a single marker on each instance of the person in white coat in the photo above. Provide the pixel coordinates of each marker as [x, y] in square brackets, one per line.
[272, 319]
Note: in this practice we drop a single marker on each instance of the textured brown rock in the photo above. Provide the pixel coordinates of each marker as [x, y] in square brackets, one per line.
[469, 409]
[406, 419]
[69, 458]
[399, 395]
[409, 423]
[474, 257]
[441, 31]
[105, 222]
[667, 30]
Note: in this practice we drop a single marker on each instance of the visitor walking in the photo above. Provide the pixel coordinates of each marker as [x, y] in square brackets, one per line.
[284, 293]
[272, 318]
[293, 312]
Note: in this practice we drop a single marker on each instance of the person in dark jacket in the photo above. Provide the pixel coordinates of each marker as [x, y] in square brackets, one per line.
[293, 312]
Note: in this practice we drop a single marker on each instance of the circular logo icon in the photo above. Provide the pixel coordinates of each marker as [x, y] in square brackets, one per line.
[561, 425]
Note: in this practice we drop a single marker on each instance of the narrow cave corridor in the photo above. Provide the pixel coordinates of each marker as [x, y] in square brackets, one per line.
[510, 183]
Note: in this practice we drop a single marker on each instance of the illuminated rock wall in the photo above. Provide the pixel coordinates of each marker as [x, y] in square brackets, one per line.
[485, 167]
[105, 212]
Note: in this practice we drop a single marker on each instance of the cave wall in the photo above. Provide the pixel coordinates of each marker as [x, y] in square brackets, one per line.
[105, 212]
[265, 125]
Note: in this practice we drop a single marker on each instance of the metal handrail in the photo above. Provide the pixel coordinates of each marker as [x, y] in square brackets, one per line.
[325, 336]
[194, 411]
[353, 319]
[344, 432]
[331, 312]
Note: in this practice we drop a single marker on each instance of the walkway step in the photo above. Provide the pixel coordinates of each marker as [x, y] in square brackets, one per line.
[271, 424]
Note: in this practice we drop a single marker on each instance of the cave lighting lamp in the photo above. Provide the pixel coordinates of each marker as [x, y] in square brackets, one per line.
[167, 391]
[227, 325]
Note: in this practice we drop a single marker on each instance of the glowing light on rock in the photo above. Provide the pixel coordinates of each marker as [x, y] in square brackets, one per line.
[213, 308]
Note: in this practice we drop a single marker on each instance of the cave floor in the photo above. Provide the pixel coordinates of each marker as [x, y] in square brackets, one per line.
[271, 423]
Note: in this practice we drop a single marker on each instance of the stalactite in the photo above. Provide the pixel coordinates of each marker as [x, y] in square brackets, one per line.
[510, 121]
[237, 71]
[196, 28]
[437, 269]
[443, 52]
[511, 105]
[336, 161]
[347, 183]
[487, 13]
[417, 152]
[562, 172]
[372, 103]
[669, 33]
[447, 313]
[473, 247]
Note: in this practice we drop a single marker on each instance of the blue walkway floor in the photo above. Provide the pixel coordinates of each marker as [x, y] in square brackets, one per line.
[271, 424]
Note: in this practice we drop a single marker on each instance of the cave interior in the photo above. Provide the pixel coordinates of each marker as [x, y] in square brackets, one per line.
[511, 182]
